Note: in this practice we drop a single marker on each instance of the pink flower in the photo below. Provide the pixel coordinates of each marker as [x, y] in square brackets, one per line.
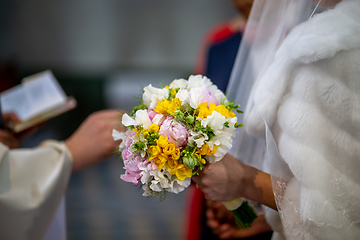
[209, 97]
[176, 132]
[131, 161]
[151, 114]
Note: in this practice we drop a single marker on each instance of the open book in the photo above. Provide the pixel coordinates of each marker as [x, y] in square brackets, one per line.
[37, 99]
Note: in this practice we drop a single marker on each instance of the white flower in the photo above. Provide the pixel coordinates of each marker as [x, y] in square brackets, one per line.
[178, 83]
[178, 186]
[216, 121]
[147, 191]
[183, 95]
[145, 173]
[158, 119]
[219, 95]
[198, 81]
[117, 136]
[196, 95]
[153, 95]
[198, 138]
[142, 118]
[128, 121]
[155, 186]
[224, 141]
[160, 178]
[223, 135]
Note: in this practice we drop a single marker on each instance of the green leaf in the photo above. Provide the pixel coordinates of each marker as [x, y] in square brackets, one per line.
[244, 215]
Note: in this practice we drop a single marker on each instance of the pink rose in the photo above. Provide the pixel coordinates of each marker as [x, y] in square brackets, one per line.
[209, 97]
[176, 132]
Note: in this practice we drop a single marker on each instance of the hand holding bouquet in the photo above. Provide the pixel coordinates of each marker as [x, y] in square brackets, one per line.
[174, 133]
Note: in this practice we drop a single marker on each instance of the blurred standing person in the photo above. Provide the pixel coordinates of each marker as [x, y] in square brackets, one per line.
[33, 181]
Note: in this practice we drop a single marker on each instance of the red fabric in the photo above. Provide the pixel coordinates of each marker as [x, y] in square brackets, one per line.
[195, 206]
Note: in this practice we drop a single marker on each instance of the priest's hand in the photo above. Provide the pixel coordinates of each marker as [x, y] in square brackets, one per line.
[92, 142]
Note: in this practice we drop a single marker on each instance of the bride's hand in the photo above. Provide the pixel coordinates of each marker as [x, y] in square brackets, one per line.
[229, 179]
[223, 180]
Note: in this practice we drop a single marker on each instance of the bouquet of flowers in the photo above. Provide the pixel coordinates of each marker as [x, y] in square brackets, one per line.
[174, 133]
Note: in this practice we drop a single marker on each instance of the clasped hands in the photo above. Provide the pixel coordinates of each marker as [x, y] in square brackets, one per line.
[229, 179]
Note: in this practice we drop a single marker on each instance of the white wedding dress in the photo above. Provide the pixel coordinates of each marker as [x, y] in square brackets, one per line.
[310, 99]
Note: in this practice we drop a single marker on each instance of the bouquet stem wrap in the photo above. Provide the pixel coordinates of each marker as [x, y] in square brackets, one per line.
[243, 212]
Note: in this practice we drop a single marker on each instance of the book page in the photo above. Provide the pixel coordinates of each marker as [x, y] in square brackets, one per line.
[37, 94]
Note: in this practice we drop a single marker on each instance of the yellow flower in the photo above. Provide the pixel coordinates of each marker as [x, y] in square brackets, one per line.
[142, 131]
[232, 114]
[162, 141]
[173, 92]
[183, 172]
[176, 154]
[169, 149]
[154, 151]
[154, 128]
[203, 110]
[160, 161]
[206, 109]
[205, 150]
[145, 133]
[212, 107]
[172, 165]
[168, 106]
[224, 111]
[198, 155]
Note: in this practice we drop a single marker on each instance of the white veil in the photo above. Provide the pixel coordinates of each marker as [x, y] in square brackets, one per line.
[267, 27]
[269, 24]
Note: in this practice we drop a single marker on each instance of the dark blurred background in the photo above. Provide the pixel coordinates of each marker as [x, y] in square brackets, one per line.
[103, 53]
